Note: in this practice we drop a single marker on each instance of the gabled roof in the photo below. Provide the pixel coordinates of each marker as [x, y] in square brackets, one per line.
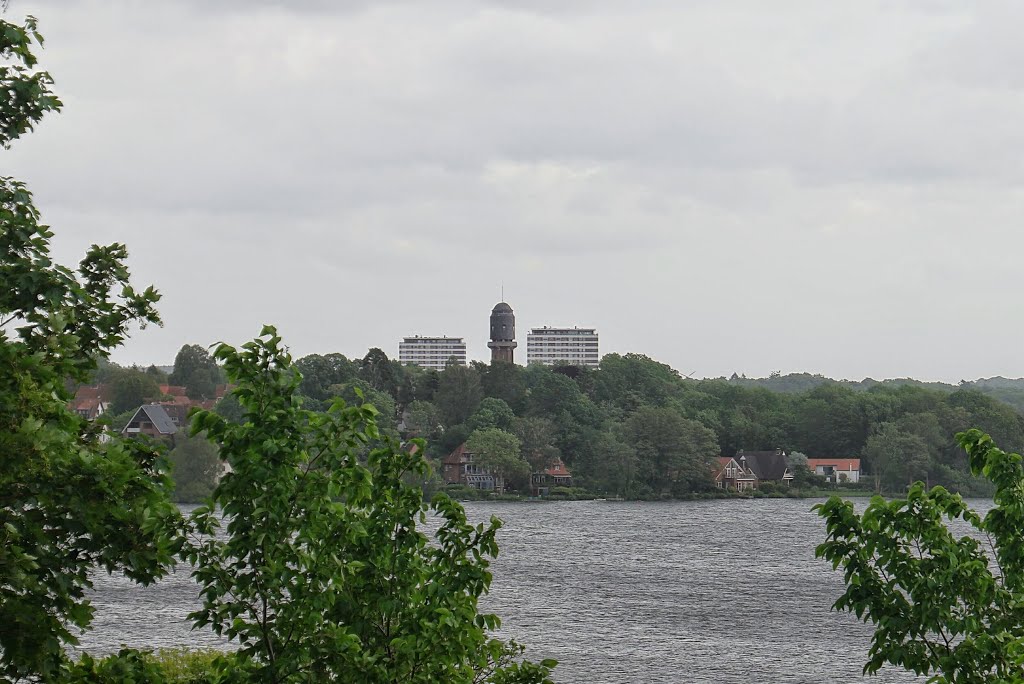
[158, 416]
[767, 465]
[847, 464]
[557, 469]
[456, 457]
[178, 413]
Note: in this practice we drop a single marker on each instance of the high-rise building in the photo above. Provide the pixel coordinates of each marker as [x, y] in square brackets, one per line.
[577, 346]
[432, 352]
[503, 333]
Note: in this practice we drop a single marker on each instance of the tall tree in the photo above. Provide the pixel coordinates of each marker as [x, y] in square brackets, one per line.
[671, 449]
[314, 562]
[941, 606]
[498, 451]
[377, 371]
[70, 503]
[491, 413]
[131, 388]
[196, 371]
[320, 372]
[458, 394]
[194, 468]
[537, 440]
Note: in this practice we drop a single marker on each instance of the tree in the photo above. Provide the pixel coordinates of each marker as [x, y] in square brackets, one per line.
[502, 380]
[671, 450]
[131, 388]
[194, 468]
[377, 371]
[491, 413]
[196, 371]
[320, 572]
[70, 503]
[423, 419]
[498, 451]
[537, 440]
[896, 458]
[320, 372]
[940, 605]
[458, 394]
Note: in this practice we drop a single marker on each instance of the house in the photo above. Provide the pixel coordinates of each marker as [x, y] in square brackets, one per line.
[836, 470]
[459, 468]
[750, 469]
[767, 466]
[91, 402]
[151, 420]
[555, 475]
[730, 475]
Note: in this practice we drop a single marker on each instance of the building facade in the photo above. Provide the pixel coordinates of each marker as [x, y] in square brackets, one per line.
[432, 352]
[577, 346]
[503, 334]
[461, 468]
[837, 470]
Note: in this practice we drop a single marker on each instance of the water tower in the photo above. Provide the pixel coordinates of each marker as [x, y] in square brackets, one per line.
[503, 333]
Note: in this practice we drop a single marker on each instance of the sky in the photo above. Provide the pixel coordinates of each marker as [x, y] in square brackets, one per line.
[724, 186]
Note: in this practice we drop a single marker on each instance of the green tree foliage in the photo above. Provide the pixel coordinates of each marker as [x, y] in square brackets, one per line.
[609, 466]
[131, 388]
[323, 574]
[458, 393]
[423, 419]
[69, 502]
[196, 371]
[357, 392]
[635, 375]
[498, 451]
[537, 439]
[320, 372]
[505, 381]
[940, 605]
[897, 458]
[673, 452]
[194, 468]
[377, 371]
[229, 409]
[491, 413]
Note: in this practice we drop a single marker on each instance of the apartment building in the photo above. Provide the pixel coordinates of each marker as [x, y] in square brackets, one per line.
[550, 345]
[432, 352]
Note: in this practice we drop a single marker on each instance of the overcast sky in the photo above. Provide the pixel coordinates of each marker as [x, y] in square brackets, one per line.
[749, 186]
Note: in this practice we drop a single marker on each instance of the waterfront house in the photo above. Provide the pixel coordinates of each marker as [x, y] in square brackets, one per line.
[151, 420]
[459, 468]
[750, 469]
[731, 476]
[555, 475]
[767, 466]
[836, 470]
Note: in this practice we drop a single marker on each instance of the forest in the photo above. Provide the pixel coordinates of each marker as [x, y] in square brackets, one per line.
[633, 427]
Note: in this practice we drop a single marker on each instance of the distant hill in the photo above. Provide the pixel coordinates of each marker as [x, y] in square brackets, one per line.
[1008, 390]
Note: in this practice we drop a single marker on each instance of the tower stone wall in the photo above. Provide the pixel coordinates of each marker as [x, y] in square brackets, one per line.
[503, 334]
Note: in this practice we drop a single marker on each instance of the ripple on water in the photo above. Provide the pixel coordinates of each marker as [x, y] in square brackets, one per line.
[717, 591]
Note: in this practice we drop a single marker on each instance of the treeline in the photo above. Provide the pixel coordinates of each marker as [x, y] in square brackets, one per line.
[634, 427]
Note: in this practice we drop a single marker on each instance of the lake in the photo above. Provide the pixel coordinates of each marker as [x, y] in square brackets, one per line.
[714, 591]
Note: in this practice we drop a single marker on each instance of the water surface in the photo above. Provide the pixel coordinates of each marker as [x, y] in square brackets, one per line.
[705, 592]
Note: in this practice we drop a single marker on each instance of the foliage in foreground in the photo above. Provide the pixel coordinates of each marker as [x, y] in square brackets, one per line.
[940, 605]
[69, 502]
[323, 574]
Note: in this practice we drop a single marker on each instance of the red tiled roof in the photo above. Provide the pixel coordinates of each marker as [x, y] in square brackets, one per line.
[557, 469]
[846, 464]
[173, 390]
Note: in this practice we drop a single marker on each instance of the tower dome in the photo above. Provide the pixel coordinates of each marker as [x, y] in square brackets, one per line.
[503, 333]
